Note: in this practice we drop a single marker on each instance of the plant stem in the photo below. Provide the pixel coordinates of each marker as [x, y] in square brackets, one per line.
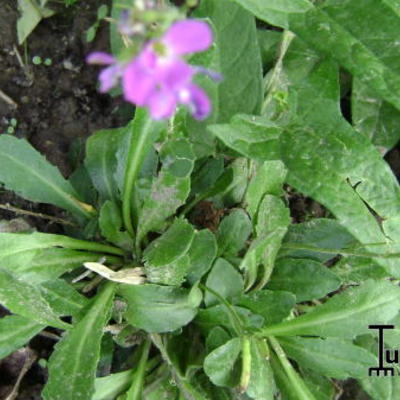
[235, 319]
[297, 383]
[133, 164]
[78, 244]
[135, 392]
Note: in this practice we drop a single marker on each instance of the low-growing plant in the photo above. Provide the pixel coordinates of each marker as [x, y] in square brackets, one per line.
[180, 267]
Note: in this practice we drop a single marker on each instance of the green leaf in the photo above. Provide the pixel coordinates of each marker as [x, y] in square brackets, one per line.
[110, 386]
[101, 160]
[331, 357]
[165, 260]
[216, 338]
[268, 178]
[330, 162]
[26, 300]
[169, 190]
[272, 215]
[345, 314]
[219, 315]
[274, 306]
[233, 232]
[206, 173]
[376, 387]
[82, 183]
[272, 221]
[321, 387]
[319, 232]
[73, 364]
[331, 30]
[34, 257]
[261, 254]
[225, 280]
[261, 384]
[276, 12]
[40, 265]
[373, 117]
[136, 144]
[30, 175]
[379, 389]
[307, 279]
[202, 253]
[31, 14]
[63, 298]
[221, 365]
[15, 332]
[116, 42]
[102, 12]
[269, 42]
[110, 223]
[234, 193]
[160, 308]
[251, 136]
[165, 389]
[91, 33]
[353, 270]
[240, 65]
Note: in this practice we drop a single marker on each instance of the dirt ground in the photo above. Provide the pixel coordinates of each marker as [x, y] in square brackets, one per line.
[56, 106]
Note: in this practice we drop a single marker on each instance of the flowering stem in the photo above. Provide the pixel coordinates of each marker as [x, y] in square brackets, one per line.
[297, 384]
[137, 152]
[135, 392]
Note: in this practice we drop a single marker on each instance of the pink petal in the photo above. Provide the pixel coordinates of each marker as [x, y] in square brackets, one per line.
[138, 81]
[109, 77]
[188, 36]
[101, 58]
[175, 74]
[162, 104]
[197, 100]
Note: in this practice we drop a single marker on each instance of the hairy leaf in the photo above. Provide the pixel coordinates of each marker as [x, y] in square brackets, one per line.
[225, 280]
[73, 364]
[15, 332]
[345, 314]
[221, 364]
[26, 300]
[331, 357]
[160, 308]
[307, 279]
[101, 160]
[29, 174]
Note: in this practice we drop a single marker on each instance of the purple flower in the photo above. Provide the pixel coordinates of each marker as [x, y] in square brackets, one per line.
[160, 79]
[108, 76]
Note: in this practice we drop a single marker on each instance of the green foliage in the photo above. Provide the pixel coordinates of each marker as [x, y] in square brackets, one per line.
[232, 293]
[32, 13]
[77, 355]
[149, 305]
[15, 332]
[27, 301]
[26, 171]
[307, 279]
[165, 258]
[376, 301]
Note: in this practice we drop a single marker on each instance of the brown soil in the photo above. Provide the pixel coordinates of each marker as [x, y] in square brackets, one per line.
[56, 106]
